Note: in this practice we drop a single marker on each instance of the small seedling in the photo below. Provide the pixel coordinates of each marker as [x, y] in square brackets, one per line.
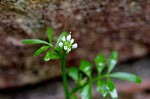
[83, 76]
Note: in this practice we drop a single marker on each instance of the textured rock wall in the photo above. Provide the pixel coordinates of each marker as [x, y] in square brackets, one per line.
[97, 26]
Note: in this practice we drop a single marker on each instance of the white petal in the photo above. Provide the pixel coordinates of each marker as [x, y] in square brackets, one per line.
[60, 44]
[68, 37]
[72, 40]
[65, 47]
[74, 45]
[63, 38]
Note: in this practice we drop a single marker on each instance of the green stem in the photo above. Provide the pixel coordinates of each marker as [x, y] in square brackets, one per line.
[90, 81]
[64, 76]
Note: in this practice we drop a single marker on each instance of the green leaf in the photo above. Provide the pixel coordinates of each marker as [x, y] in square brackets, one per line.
[51, 55]
[112, 61]
[40, 50]
[126, 76]
[101, 87]
[110, 84]
[60, 37]
[111, 89]
[86, 68]
[76, 88]
[73, 73]
[74, 96]
[108, 87]
[100, 63]
[50, 35]
[35, 41]
[81, 80]
[86, 92]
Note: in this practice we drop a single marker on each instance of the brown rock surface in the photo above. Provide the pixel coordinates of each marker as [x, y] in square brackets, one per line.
[97, 26]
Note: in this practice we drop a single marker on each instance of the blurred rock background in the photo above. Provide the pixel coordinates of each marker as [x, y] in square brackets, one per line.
[98, 26]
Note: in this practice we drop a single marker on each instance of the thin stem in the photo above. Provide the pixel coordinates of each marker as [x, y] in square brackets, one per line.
[90, 81]
[99, 77]
[64, 76]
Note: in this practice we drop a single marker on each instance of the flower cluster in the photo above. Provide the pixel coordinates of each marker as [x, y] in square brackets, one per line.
[67, 43]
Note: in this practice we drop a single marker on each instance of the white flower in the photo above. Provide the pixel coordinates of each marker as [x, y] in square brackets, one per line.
[68, 37]
[60, 44]
[74, 45]
[68, 50]
[72, 40]
[67, 43]
[63, 38]
[65, 47]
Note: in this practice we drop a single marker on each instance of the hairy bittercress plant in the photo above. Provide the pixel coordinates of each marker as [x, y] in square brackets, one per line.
[83, 76]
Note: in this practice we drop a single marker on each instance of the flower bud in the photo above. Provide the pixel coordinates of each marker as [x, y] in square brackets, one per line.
[72, 40]
[68, 37]
[74, 45]
[65, 47]
[60, 44]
